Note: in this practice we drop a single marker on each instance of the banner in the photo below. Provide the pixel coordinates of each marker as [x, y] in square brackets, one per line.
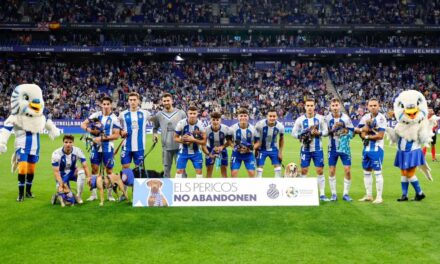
[225, 192]
[219, 50]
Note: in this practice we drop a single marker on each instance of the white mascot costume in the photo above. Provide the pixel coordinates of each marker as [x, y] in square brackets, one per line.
[26, 122]
[412, 132]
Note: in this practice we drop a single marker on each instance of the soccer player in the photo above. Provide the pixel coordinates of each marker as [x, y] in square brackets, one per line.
[104, 127]
[338, 124]
[133, 127]
[372, 129]
[243, 137]
[267, 131]
[64, 161]
[190, 134]
[433, 119]
[167, 120]
[215, 148]
[309, 129]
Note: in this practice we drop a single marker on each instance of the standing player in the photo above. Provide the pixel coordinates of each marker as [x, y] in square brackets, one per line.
[190, 134]
[372, 129]
[64, 161]
[267, 131]
[104, 127]
[243, 136]
[167, 120]
[216, 145]
[309, 129]
[337, 122]
[133, 124]
[433, 119]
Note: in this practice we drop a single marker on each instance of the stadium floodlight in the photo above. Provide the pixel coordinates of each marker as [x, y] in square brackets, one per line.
[178, 59]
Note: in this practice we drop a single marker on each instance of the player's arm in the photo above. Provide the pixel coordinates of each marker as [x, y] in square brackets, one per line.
[382, 125]
[86, 169]
[205, 149]
[359, 129]
[257, 141]
[85, 126]
[155, 120]
[56, 172]
[178, 131]
[122, 132]
[201, 141]
[296, 131]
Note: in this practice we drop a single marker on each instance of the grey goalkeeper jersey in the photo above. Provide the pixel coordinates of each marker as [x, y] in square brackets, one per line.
[167, 121]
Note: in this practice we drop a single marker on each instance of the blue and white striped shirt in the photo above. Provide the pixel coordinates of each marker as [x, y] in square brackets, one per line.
[217, 138]
[25, 141]
[109, 123]
[268, 134]
[379, 124]
[135, 123]
[303, 123]
[184, 127]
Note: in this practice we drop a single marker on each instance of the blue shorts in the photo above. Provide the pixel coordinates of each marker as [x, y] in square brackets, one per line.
[106, 158]
[128, 156]
[24, 157]
[69, 177]
[273, 155]
[223, 156]
[237, 158]
[333, 158]
[196, 158]
[372, 159]
[316, 156]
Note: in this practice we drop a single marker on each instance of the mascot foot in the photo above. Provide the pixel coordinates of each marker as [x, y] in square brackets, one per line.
[419, 197]
[20, 199]
[29, 195]
[404, 198]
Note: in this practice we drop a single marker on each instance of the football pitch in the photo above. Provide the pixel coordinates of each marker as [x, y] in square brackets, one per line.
[335, 232]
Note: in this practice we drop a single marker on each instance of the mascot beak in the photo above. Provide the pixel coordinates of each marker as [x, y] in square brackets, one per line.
[35, 105]
[412, 112]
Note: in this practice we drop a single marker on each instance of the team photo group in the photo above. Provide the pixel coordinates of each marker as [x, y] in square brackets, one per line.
[186, 140]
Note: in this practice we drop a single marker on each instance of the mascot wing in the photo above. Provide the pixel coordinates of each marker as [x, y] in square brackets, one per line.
[52, 129]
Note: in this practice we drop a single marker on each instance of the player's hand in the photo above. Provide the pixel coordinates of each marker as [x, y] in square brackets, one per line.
[315, 132]
[280, 156]
[94, 132]
[124, 134]
[3, 148]
[363, 135]
[97, 140]
[189, 138]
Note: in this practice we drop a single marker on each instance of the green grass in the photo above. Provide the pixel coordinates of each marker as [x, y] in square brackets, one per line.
[37, 232]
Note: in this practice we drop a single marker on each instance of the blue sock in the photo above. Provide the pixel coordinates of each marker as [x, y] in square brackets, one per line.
[415, 183]
[405, 188]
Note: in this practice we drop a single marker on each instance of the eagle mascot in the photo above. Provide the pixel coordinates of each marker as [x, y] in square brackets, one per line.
[411, 133]
[26, 122]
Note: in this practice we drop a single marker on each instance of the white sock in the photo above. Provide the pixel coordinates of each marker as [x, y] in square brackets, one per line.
[93, 193]
[379, 183]
[332, 183]
[80, 181]
[347, 184]
[368, 182]
[277, 172]
[259, 172]
[178, 176]
[321, 184]
[199, 176]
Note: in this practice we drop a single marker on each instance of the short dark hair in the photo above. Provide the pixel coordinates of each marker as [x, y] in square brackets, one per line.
[192, 108]
[106, 98]
[134, 94]
[68, 137]
[242, 111]
[374, 99]
[335, 99]
[310, 99]
[271, 110]
[167, 95]
[216, 115]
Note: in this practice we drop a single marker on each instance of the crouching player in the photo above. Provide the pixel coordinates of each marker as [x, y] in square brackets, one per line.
[64, 161]
[215, 148]
[190, 133]
[267, 131]
[243, 136]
